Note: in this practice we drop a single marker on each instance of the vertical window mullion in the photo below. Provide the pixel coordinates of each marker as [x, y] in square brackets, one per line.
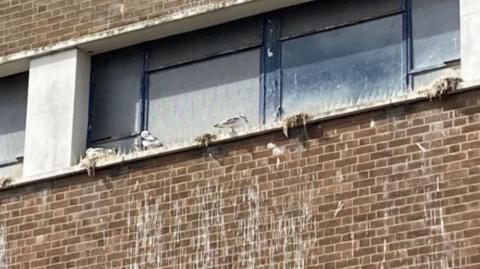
[407, 36]
[144, 88]
[262, 77]
[272, 63]
[91, 105]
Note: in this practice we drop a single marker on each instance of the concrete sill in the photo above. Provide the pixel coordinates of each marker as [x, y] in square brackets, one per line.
[411, 97]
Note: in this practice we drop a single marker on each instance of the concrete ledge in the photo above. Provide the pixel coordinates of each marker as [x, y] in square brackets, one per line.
[412, 97]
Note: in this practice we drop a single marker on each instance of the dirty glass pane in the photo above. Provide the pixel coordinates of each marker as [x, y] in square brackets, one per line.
[124, 145]
[117, 78]
[343, 67]
[436, 36]
[13, 111]
[207, 42]
[320, 15]
[187, 101]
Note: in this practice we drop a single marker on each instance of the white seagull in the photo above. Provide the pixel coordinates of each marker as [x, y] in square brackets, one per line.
[149, 141]
[92, 153]
[232, 123]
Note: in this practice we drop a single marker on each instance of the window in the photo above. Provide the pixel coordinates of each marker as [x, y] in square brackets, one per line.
[341, 53]
[13, 110]
[177, 87]
[435, 25]
[199, 79]
[116, 102]
[310, 58]
[435, 40]
[187, 101]
[325, 70]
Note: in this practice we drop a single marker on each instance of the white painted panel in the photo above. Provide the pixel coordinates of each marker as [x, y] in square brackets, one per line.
[470, 39]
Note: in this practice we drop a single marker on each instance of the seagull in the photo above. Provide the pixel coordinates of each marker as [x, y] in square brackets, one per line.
[149, 141]
[92, 153]
[232, 123]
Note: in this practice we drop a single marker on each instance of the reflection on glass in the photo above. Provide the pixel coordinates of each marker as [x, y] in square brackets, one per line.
[343, 67]
[436, 37]
[116, 96]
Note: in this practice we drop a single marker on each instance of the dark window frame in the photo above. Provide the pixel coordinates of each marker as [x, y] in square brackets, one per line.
[14, 160]
[271, 73]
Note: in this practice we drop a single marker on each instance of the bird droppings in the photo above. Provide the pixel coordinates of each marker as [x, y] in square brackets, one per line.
[269, 53]
[213, 156]
[296, 120]
[3, 246]
[205, 139]
[271, 145]
[93, 156]
[276, 150]
[340, 206]
[338, 176]
[5, 181]
[384, 253]
[440, 87]
[422, 148]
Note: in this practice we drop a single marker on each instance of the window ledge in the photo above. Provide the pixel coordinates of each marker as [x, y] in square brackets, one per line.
[411, 97]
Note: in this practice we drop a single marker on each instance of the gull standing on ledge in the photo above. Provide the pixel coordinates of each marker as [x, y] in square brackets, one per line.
[149, 141]
[232, 123]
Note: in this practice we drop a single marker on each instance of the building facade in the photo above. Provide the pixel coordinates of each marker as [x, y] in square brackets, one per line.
[361, 148]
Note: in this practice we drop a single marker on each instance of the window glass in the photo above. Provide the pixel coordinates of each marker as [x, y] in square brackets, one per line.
[436, 38]
[204, 43]
[13, 113]
[117, 78]
[124, 145]
[343, 67]
[187, 101]
[321, 15]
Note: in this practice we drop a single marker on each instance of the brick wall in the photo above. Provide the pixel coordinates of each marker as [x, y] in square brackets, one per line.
[394, 188]
[27, 24]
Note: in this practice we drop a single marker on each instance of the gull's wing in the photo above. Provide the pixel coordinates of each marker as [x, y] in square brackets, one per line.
[229, 121]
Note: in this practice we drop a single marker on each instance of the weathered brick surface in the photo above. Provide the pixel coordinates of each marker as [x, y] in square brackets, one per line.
[395, 188]
[27, 24]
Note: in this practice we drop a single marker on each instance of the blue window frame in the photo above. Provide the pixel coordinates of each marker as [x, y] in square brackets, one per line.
[302, 50]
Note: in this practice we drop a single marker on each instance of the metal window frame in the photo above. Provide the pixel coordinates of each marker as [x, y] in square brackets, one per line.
[113, 138]
[14, 160]
[411, 71]
[271, 73]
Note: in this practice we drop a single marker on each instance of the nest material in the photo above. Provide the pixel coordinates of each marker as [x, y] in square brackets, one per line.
[5, 181]
[205, 139]
[296, 120]
[440, 87]
[93, 156]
